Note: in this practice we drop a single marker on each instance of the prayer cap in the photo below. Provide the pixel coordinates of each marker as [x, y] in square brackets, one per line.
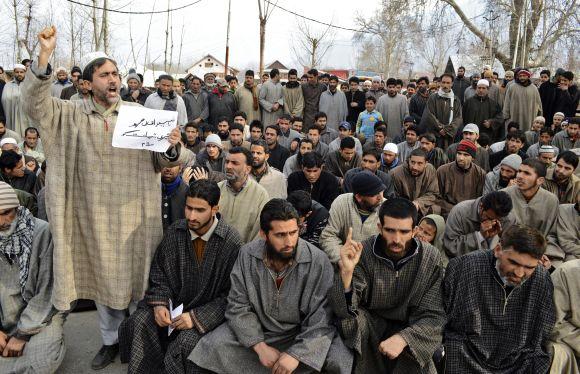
[391, 147]
[483, 82]
[8, 198]
[8, 141]
[509, 74]
[547, 149]
[59, 69]
[559, 114]
[376, 79]
[19, 66]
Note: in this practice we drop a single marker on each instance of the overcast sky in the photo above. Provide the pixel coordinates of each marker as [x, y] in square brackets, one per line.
[205, 29]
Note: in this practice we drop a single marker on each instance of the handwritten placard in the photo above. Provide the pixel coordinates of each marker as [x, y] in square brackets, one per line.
[143, 128]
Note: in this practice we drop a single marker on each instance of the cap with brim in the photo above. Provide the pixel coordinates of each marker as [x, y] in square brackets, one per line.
[345, 125]
[471, 127]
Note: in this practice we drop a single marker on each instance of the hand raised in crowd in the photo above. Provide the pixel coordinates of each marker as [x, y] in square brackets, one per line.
[286, 364]
[47, 41]
[3, 340]
[200, 173]
[268, 355]
[393, 346]
[349, 256]
[187, 174]
[14, 347]
[135, 95]
[182, 322]
[162, 316]
[490, 228]
[174, 136]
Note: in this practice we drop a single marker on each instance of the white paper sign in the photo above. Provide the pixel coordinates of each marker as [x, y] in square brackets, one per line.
[143, 128]
[174, 313]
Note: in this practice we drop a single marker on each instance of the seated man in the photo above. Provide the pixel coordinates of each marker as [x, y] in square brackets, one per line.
[322, 185]
[278, 318]
[544, 138]
[355, 212]
[294, 162]
[213, 157]
[387, 294]
[477, 224]
[236, 138]
[471, 132]
[564, 240]
[389, 158]
[411, 143]
[173, 195]
[461, 179]
[499, 306]
[344, 131]
[313, 216]
[13, 172]
[416, 180]
[565, 339]
[31, 335]
[547, 154]
[273, 181]
[503, 175]
[192, 267]
[371, 160]
[514, 144]
[561, 180]
[339, 162]
[435, 155]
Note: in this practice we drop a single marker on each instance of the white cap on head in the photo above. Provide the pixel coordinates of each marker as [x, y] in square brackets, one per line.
[471, 127]
[560, 114]
[61, 68]
[18, 66]
[391, 147]
[376, 78]
[92, 56]
[483, 82]
[8, 141]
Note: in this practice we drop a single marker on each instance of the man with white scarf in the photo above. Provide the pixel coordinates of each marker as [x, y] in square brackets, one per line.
[15, 118]
[443, 116]
[31, 335]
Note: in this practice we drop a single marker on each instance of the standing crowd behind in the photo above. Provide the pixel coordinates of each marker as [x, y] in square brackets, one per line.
[311, 226]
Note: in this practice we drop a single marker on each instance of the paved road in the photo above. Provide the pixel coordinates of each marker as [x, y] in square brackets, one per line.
[83, 340]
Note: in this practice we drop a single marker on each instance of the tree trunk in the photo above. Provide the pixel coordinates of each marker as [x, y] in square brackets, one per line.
[262, 44]
[105, 27]
[15, 9]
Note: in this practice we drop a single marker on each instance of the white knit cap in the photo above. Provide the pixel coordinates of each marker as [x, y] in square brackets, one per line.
[214, 139]
[391, 147]
[18, 66]
[59, 69]
[8, 198]
[547, 149]
[483, 82]
[90, 57]
[471, 127]
[376, 78]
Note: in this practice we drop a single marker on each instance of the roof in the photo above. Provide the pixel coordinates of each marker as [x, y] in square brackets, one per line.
[234, 70]
[472, 63]
[276, 65]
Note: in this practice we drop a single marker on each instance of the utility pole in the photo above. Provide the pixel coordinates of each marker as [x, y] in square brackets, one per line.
[228, 38]
[491, 21]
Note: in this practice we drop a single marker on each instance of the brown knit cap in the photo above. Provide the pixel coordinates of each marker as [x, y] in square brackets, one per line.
[8, 198]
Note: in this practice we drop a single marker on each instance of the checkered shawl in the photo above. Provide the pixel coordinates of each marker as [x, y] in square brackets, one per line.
[491, 330]
[18, 245]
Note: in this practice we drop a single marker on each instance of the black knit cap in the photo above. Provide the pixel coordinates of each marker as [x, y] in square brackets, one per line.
[366, 183]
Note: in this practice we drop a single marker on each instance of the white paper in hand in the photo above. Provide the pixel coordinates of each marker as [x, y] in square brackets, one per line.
[143, 128]
[173, 313]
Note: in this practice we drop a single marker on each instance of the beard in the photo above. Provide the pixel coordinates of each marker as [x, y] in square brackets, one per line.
[257, 164]
[503, 182]
[223, 135]
[8, 230]
[274, 255]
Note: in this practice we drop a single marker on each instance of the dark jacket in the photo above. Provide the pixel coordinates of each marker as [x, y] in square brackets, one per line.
[478, 109]
[324, 190]
[356, 97]
[68, 92]
[315, 223]
[196, 107]
[278, 157]
[173, 206]
[25, 183]
[221, 106]
[143, 95]
[417, 106]
[459, 87]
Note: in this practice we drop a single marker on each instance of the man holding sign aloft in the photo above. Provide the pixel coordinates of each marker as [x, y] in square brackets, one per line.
[103, 203]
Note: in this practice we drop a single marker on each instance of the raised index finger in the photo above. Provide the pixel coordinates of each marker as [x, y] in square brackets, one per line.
[349, 235]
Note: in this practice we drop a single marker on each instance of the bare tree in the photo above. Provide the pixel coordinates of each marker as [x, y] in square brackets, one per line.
[310, 45]
[265, 9]
[387, 34]
[535, 28]
[100, 25]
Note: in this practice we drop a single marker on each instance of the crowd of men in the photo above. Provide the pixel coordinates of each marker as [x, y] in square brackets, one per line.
[363, 227]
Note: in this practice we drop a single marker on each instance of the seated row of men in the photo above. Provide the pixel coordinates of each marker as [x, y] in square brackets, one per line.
[279, 304]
